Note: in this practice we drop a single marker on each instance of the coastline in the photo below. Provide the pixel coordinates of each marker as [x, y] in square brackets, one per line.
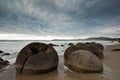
[111, 71]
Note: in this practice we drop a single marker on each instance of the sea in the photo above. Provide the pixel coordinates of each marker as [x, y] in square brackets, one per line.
[14, 47]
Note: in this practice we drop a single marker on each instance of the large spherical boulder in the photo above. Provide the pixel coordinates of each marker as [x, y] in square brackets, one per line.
[84, 61]
[37, 58]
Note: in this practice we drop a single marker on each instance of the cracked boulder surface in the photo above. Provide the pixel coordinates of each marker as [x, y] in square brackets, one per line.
[96, 48]
[84, 61]
[37, 58]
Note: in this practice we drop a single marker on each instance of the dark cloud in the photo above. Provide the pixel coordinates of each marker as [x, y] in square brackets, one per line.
[60, 18]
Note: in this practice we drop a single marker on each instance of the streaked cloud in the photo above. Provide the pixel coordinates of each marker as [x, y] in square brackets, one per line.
[60, 18]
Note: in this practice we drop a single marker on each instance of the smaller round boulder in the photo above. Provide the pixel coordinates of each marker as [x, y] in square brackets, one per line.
[84, 61]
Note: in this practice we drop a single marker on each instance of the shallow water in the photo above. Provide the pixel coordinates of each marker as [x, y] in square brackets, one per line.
[111, 65]
[16, 46]
[13, 47]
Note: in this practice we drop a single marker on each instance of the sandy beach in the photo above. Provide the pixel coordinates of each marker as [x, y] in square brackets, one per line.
[111, 64]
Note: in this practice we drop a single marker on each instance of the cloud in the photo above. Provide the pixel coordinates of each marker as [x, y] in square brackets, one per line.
[60, 18]
[29, 37]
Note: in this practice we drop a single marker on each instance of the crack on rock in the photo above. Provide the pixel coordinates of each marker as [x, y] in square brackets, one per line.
[23, 65]
[45, 48]
[35, 51]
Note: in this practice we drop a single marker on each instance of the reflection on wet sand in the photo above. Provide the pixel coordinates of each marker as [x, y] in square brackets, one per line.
[53, 75]
[64, 74]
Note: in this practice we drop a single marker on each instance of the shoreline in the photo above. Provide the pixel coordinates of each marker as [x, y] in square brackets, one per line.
[111, 70]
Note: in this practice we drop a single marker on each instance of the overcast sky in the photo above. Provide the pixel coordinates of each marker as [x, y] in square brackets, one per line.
[59, 18]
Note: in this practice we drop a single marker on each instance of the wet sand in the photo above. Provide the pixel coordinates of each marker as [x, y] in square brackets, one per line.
[111, 64]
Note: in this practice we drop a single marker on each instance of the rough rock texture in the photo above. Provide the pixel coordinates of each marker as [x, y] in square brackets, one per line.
[93, 47]
[100, 46]
[84, 61]
[37, 58]
[68, 51]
